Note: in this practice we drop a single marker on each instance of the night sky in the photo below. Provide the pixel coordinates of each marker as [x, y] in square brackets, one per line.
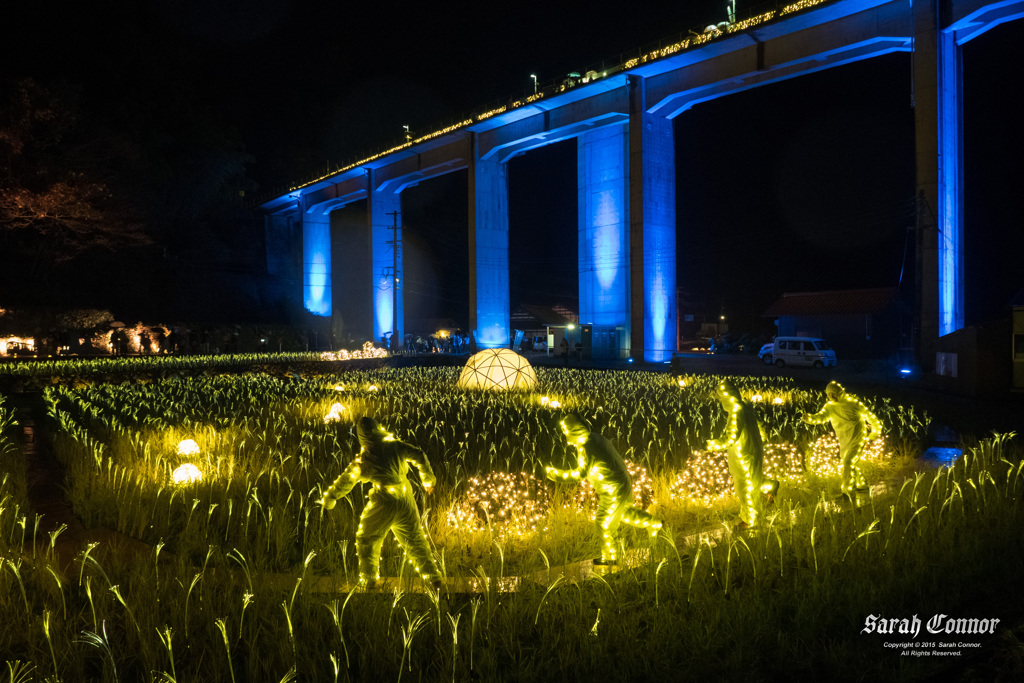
[803, 185]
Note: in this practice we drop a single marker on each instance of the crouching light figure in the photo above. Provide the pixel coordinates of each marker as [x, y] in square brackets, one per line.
[745, 445]
[384, 463]
[599, 463]
[855, 427]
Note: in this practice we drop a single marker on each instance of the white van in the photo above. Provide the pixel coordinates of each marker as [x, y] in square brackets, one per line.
[806, 351]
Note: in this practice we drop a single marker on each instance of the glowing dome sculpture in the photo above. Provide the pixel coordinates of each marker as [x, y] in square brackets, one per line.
[497, 369]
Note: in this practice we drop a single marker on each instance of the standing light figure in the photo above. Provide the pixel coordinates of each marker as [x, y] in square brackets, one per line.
[855, 427]
[744, 442]
[642, 495]
[384, 463]
[600, 464]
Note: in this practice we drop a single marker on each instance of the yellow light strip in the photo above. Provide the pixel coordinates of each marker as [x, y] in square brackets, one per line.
[685, 44]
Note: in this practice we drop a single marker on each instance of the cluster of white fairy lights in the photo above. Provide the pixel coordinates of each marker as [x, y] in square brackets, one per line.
[685, 44]
[368, 351]
[823, 457]
[706, 479]
[511, 503]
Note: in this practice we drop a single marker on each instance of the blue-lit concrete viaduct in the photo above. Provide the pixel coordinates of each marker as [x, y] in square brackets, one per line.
[621, 120]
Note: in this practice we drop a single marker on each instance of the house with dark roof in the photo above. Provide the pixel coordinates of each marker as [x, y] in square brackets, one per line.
[858, 323]
[1017, 342]
[540, 325]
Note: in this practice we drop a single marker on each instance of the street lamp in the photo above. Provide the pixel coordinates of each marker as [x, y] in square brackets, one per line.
[534, 77]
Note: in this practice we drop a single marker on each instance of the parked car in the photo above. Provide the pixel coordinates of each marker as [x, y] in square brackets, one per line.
[806, 351]
[765, 354]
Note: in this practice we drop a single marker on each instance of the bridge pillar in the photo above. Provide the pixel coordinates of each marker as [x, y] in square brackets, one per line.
[388, 304]
[603, 199]
[316, 262]
[938, 87]
[652, 215]
[951, 185]
[488, 251]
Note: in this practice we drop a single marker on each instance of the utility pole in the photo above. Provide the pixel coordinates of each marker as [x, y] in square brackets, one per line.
[396, 244]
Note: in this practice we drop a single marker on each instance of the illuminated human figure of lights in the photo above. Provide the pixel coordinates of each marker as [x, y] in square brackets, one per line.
[744, 442]
[599, 463]
[855, 426]
[384, 463]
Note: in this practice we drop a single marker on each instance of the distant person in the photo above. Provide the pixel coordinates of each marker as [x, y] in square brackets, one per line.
[855, 427]
[743, 441]
[384, 462]
[598, 462]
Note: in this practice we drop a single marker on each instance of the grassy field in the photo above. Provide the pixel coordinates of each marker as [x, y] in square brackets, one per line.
[226, 583]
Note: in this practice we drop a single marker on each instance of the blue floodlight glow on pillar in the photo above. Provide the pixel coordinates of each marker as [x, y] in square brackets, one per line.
[951, 259]
[489, 187]
[657, 301]
[383, 306]
[658, 215]
[316, 264]
[603, 229]
[383, 205]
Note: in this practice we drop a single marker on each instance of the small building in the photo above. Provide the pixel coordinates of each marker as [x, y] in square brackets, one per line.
[540, 328]
[858, 323]
[1017, 341]
[691, 318]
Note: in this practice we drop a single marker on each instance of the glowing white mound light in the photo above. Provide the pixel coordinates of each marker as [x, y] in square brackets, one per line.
[337, 412]
[188, 447]
[186, 474]
[497, 369]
